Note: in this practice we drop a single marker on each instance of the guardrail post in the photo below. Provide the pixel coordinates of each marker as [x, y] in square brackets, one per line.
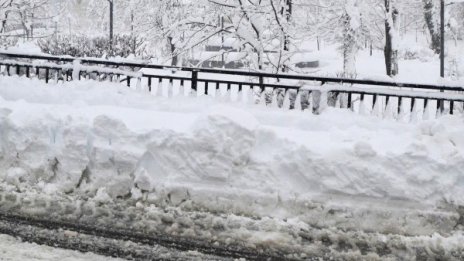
[47, 72]
[400, 103]
[194, 80]
[206, 88]
[350, 100]
[440, 106]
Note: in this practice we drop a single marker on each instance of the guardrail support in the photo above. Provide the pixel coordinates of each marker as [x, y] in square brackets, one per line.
[194, 80]
[47, 72]
[261, 83]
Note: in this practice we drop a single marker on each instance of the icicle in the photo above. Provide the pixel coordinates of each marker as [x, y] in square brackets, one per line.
[310, 102]
[262, 98]
[378, 108]
[338, 101]
[426, 113]
[286, 103]
[298, 102]
[414, 114]
[323, 102]
[343, 97]
[170, 90]
[233, 95]
[362, 108]
[275, 102]
[239, 95]
[138, 87]
[403, 111]
[212, 92]
[251, 98]
[181, 92]
[239, 98]
[76, 70]
[159, 89]
[228, 96]
[390, 111]
[218, 96]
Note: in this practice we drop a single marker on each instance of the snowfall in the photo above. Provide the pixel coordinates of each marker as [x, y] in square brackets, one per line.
[107, 142]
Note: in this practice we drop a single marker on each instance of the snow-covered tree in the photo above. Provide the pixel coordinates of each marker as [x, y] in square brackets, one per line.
[264, 29]
[431, 16]
[391, 38]
[352, 33]
[23, 13]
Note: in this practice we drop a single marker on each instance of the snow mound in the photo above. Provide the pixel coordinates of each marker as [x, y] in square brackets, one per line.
[251, 159]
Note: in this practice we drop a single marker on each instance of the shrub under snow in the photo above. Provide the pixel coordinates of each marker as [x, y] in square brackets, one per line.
[84, 46]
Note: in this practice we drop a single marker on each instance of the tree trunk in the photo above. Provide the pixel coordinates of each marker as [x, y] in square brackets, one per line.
[288, 16]
[349, 47]
[431, 25]
[172, 46]
[391, 35]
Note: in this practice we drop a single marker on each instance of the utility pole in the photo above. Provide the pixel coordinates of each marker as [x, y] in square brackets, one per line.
[442, 47]
[223, 60]
[442, 32]
[111, 22]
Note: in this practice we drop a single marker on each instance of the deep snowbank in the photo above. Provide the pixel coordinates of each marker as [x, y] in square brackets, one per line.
[107, 141]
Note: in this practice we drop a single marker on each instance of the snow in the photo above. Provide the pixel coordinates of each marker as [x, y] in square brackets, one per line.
[207, 149]
[12, 249]
[24, 48]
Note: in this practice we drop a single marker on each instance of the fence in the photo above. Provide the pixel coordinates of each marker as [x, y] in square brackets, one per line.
[281, 90]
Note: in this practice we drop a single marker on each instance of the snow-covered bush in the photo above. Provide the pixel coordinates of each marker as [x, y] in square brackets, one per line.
[83, 46]
[423, 54]
[6, 42]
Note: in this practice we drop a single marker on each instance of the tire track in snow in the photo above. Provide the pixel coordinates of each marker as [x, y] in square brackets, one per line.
[122, 244]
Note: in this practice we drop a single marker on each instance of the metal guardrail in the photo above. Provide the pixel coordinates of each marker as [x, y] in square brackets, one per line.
[403, 95]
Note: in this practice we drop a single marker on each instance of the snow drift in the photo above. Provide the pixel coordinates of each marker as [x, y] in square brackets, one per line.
[107, 141]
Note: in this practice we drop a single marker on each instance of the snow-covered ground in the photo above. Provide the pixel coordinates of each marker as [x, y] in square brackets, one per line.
[422, 67]
[12, 249]
[107, 141]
